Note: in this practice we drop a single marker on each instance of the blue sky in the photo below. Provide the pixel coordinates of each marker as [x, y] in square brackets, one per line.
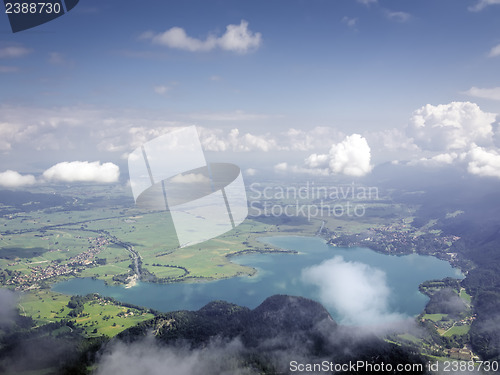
[299, 80]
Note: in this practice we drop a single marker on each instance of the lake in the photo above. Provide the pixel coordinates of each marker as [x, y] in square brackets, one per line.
[357, 285]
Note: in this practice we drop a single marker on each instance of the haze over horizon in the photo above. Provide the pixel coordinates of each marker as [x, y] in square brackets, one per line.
[292, 88]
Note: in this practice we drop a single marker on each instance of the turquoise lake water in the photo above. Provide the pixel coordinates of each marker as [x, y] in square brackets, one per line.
[284, 274]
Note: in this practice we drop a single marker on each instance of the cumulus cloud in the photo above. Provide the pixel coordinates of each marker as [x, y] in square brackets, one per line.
[367, 2]
[13, 52]
[458, 134]
[492, 93]
[351, 156]
[453, 126]
[481, 4]
[217, 140]
[357, 291]
[317, 161]
[495, 51]
[483, 162]
[13, 179]
[83, 171]
[237, 38]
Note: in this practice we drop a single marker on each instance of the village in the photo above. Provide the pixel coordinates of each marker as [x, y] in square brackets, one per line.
[39, 273]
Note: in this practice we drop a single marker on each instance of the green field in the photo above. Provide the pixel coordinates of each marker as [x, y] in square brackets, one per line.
[457, 330]
[435, 317]
[60, 233]
[45, 306]
[109, 319]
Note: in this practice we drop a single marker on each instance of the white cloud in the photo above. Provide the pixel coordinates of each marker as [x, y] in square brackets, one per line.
[13, 52]
[398, 16]
[495, 51]
[148, 357]
[367, 2]
[483, 162]
[358, 292]
[439, 160]
[217, 140]
[190, 178]
[492, 94]
[317, 161]
[161, 90]
[281, 167]
[477, 160]
[67, 129]
[83, 171]
[481, 4]
[251, 171]
[12, 179]
[453, 126]
[237, 38]
[351, 156]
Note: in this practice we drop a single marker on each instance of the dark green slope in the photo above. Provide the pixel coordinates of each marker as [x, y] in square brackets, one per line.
[280, 330]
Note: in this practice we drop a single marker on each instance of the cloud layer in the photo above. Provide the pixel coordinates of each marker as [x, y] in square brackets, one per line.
[350, 157]
[237, 38]
[83, 171]
[358, 292]
[147, 357]
[453, 126]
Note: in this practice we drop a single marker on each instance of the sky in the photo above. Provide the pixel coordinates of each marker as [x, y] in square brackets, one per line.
[313, 88]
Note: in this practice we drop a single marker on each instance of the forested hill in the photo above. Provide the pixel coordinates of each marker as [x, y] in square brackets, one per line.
[469, 209]
[282, 329]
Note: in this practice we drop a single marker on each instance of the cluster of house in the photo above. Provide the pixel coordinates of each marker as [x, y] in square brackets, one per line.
[25, 281]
